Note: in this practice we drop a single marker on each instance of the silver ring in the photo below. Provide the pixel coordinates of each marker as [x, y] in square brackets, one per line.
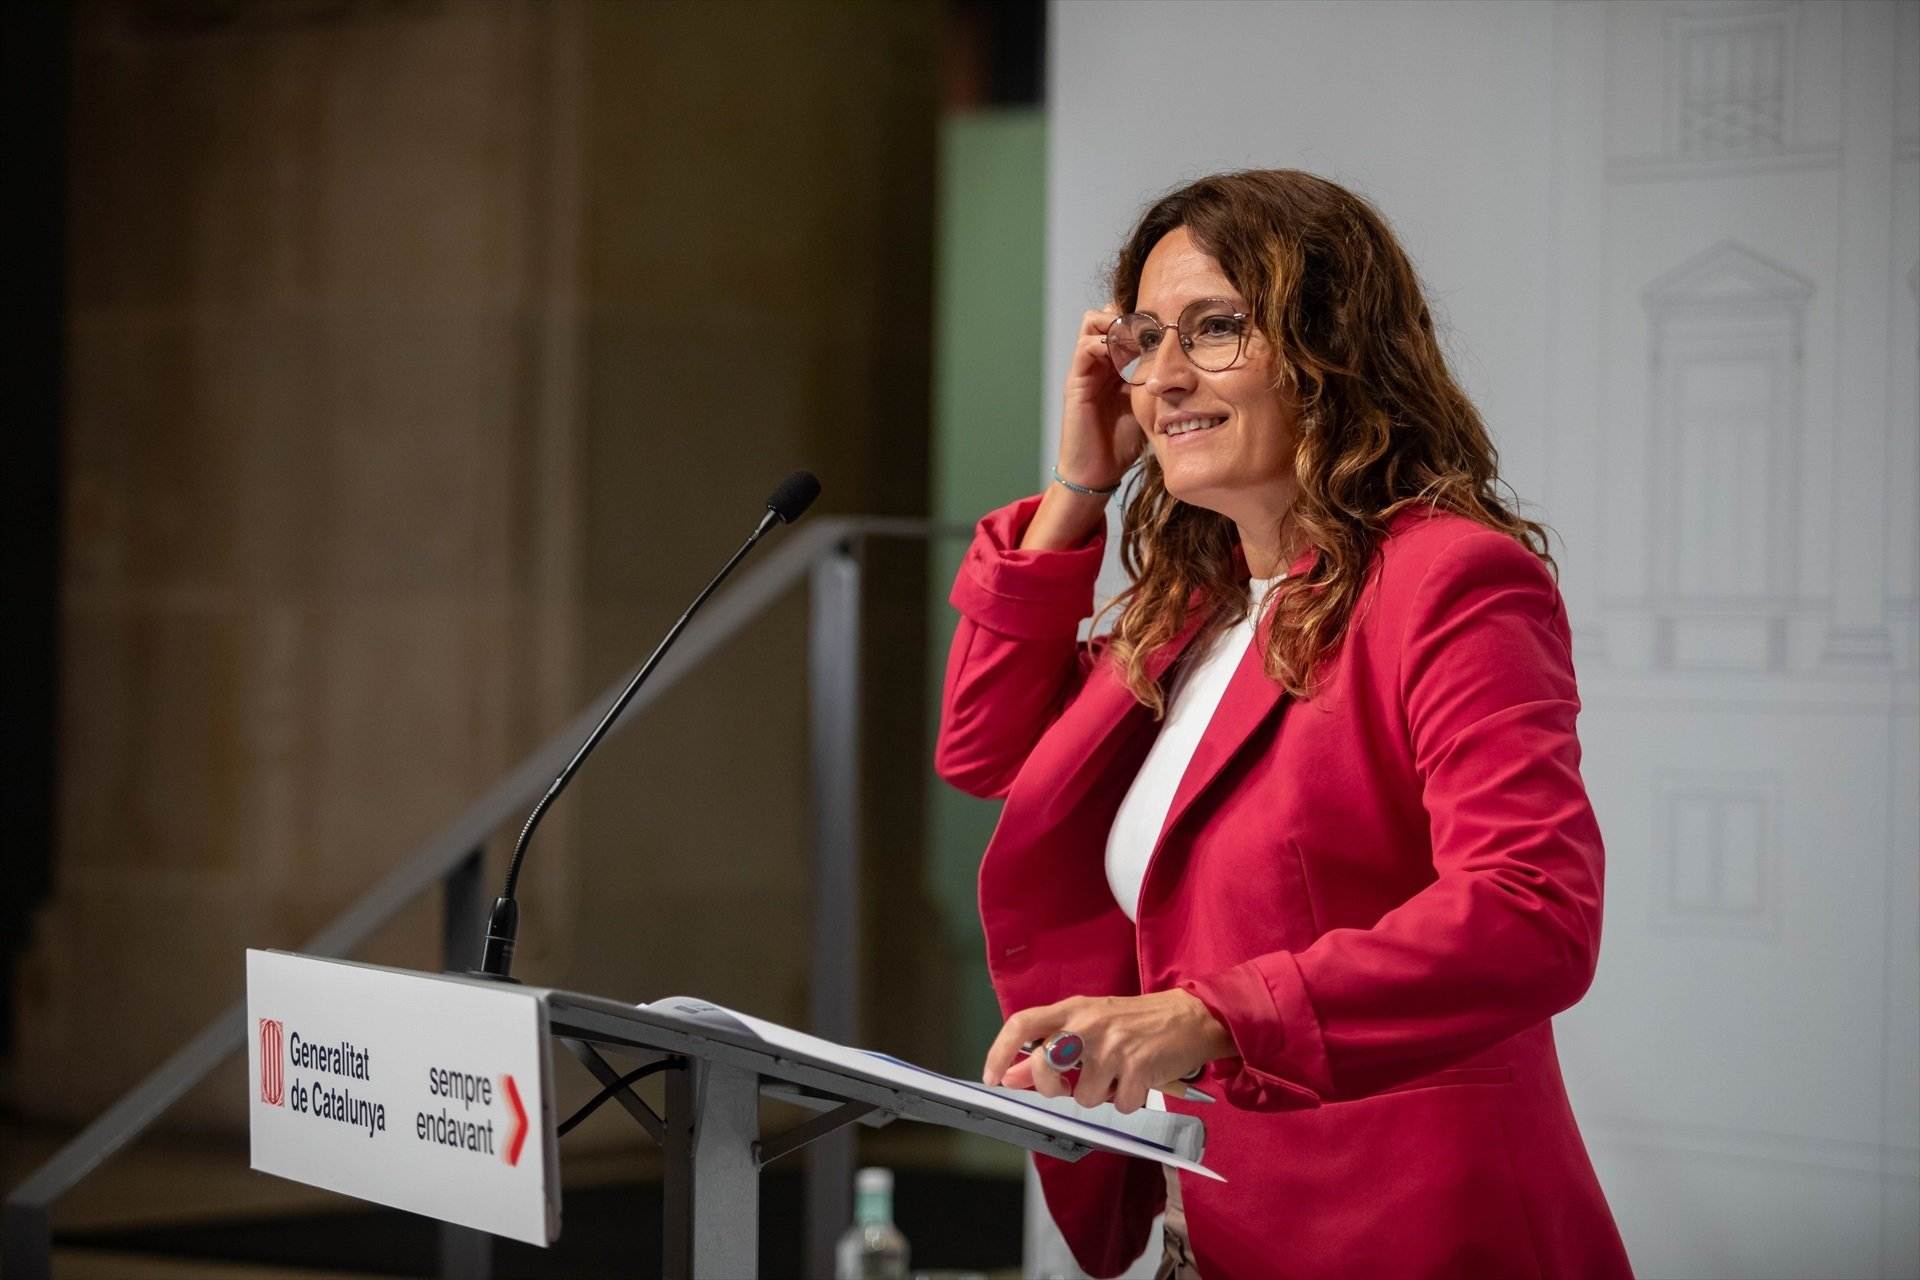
[1064, 1050]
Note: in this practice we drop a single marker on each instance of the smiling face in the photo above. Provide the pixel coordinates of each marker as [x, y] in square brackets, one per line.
[1224, 441]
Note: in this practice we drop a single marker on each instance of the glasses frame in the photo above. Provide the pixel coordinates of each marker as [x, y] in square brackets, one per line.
[1180, 336]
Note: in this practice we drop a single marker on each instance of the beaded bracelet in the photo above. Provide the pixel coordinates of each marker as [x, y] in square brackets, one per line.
[1108, 492]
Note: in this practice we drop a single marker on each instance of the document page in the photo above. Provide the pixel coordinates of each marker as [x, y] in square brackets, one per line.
[1151, 1135]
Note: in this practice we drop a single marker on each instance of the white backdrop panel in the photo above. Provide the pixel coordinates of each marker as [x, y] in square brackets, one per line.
[1659, 240]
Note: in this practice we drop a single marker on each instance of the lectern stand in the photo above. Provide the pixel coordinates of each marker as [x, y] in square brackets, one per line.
[714, 1077]
[710, 1133]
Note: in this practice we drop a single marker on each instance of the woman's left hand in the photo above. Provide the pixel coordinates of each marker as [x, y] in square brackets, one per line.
[1131, 1044]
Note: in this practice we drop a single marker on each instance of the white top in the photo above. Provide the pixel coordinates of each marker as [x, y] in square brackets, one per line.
[1197, 690]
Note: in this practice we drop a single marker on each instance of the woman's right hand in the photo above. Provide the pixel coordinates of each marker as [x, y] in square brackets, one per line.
[1099, 439]
[1099, 436]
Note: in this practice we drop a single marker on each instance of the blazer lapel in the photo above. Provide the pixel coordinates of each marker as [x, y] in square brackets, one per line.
[1104, 708]
[1249, 699]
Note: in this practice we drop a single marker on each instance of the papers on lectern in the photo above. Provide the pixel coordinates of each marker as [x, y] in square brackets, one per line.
[1150, 1135]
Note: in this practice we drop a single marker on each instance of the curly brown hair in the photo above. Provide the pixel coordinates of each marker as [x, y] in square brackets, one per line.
[1383, 425]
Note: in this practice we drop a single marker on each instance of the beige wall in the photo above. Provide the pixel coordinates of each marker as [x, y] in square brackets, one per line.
[758, 252]
[425, 359]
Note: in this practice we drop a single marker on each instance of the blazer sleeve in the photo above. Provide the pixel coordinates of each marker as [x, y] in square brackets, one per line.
[1508, 932]
[1016, 657]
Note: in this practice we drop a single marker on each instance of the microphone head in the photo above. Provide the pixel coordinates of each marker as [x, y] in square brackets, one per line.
[795, 494]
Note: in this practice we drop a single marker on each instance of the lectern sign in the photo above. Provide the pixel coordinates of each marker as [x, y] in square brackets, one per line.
[424, 1093]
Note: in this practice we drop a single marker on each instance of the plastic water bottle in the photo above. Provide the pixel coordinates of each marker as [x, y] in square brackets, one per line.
[872, 1248]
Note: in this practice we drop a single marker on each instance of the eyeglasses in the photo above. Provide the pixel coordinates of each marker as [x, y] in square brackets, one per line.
[1212, 335]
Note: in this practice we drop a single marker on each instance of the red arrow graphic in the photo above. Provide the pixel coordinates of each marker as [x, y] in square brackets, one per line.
[518, 1137]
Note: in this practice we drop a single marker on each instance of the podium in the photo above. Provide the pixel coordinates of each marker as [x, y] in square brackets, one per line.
[459, 1055]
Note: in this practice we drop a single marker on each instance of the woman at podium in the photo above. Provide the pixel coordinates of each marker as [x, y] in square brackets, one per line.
[1308, 819]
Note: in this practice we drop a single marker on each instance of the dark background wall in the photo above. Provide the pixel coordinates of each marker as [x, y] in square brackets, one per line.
[33, 80]
[757, 260]
[422, 359]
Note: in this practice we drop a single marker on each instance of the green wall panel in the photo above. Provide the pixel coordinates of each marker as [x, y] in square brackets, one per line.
[989, 296]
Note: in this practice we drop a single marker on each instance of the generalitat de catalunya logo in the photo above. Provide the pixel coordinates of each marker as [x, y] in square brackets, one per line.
[273, 1063]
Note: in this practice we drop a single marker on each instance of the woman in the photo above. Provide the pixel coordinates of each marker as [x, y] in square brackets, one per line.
[1322, 838]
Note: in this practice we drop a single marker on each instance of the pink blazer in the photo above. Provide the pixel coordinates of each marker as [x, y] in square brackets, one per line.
[1384, 893]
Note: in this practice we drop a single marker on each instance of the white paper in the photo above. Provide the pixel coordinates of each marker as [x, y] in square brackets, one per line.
[1105, 1129]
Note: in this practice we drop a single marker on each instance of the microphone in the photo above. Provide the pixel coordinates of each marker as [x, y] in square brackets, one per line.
[791, 500]
[787, 504]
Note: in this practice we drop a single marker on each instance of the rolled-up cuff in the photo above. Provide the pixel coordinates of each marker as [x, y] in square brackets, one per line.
[1264, 1006]
[1026, 594]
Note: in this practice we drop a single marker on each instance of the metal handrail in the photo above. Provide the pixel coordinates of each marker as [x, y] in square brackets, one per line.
[452, 858]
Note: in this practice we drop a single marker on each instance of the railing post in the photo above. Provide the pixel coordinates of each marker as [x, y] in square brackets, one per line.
[833, 688]
[465, 1254]
[26, 1242]
[461, 924]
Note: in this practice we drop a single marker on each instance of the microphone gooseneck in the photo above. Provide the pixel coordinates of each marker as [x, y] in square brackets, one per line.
[787, 504]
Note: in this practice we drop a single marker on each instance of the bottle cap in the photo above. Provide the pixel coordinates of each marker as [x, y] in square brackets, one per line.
[874, 1182]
